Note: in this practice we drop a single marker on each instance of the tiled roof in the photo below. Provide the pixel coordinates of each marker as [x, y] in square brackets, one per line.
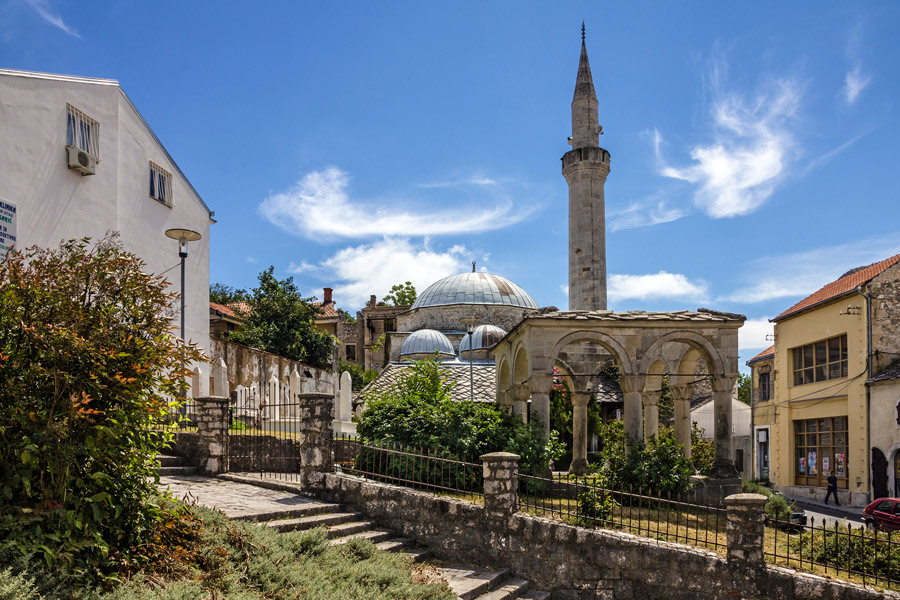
[241, 309]
[222, 309]
[841, 286]
[607, 390]
[702, 314]
[484, 377]
[892, 371]
[768, 352]
[328, 310]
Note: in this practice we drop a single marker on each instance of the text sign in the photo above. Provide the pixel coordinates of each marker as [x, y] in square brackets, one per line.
[7, 227]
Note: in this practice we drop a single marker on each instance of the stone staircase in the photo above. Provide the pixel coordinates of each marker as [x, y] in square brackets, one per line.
[174, 466]
[342, 526]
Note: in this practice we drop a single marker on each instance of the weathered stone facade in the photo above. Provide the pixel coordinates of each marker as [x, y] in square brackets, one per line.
[446, 318]
[248, 366]
[884, 290]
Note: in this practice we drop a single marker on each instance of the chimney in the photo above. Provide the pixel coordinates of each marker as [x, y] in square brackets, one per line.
[373, 301]
[327, 299]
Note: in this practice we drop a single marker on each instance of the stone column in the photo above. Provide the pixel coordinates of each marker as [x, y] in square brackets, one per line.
[316, 438]
[634, 428]
[682, 396]
[520, 393]
[212, 429]
[501, 483]
[540, 400]
[723, 466]
[580, 401]
[746, 530]
[650, 400]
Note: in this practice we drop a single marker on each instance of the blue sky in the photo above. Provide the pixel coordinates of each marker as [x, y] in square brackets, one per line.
[360, 144]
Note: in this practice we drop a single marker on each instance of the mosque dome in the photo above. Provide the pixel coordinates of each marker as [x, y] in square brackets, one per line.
[425, 342]
[474, 288]
[483, 337]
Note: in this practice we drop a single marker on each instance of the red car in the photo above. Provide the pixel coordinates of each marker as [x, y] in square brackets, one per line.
[883, 514]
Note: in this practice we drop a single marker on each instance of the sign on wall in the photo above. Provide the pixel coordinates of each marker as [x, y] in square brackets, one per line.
[7, 227]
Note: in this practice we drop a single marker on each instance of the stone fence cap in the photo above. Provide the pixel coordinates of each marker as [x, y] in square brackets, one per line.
[746, 500]
[499, 456]
[212, 399]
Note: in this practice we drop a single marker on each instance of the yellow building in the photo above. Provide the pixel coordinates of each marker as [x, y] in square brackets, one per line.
[812, 409]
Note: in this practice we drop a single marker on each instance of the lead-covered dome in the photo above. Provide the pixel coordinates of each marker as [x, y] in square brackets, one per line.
[474, 288]
[483, 338]
[424, 343]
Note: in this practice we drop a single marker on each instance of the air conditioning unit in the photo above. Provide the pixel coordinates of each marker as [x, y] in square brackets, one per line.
[81, 161]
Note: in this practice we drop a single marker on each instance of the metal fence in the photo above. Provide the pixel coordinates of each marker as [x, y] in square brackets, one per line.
[848, 551]
[581, 501]
[180, 415]
[416, 468]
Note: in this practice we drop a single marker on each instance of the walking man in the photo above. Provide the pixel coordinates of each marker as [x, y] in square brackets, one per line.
[832, 488]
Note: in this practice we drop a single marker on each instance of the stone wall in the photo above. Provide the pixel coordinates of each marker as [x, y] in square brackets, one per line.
[446, 318]
[248, 366]
[581, 564]
[885, 292]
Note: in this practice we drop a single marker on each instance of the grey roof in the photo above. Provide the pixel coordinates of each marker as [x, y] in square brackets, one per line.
[484, 378]
[607, 390]
[703, 314]
[474, 288]
[484, 336]
[892, 371]
[426, 341]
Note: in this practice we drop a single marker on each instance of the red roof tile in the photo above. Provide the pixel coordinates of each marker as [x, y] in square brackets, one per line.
[221, 308]
[770, 351]
[841, 286]
[328, 309]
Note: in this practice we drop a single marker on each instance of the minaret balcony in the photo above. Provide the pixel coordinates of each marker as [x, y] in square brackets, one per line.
[586, 154]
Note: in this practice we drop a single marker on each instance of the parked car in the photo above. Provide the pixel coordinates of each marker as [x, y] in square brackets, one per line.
[798, 515]
[883, 514]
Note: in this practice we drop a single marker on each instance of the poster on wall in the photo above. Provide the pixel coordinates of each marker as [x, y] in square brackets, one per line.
[839, 465]
[7, 227]
[826, 464]
[811, 463]
[801, 467]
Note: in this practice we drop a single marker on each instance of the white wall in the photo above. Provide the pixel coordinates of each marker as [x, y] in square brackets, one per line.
[54, 203]
[740, 418]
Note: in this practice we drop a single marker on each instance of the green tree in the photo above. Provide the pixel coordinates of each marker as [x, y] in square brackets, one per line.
[282, 321]
[359, 376]
[87, 358]
[402, 294]
[225, 294]
[744, 388]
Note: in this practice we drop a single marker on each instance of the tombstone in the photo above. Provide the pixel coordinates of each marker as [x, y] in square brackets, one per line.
[343, 421]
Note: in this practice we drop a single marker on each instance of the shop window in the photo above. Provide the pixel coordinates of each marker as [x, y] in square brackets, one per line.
[820, 446]
[821, 361]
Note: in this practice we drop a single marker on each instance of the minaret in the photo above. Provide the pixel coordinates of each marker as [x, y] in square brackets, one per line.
[585, 168]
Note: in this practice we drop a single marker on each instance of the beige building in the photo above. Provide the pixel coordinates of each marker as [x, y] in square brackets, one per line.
[822, 401]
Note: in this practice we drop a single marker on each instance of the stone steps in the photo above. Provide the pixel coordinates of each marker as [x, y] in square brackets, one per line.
[174, 466]
[323, 519]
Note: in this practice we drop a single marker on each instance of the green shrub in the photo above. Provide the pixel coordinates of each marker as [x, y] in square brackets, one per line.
[15, 586]
[595, 506]
[86, 358]
[777, 506]
[862, 552]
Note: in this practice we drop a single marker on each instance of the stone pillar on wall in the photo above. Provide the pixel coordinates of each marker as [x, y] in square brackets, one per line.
[501, 483]
[521, 393]
[650, 400]
[540, 400]
[316, 438]
[634, 428]
[212, 430]
[746, 530]
[579, 464]
[723, 465]
[219, 379]
[682, 396]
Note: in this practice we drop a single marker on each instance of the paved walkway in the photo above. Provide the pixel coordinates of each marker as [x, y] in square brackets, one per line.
[236, 500]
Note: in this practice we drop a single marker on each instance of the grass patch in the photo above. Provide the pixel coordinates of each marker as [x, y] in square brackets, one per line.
[201, 555]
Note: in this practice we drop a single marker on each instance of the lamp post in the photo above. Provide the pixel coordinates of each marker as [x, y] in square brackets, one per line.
[470, 328]
[183, 236]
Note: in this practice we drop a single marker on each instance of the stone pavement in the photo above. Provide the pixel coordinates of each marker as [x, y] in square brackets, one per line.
[236, 500]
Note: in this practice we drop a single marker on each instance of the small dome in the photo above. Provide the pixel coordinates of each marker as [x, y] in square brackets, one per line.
[474, 288]
[483, 337]
[425, 342]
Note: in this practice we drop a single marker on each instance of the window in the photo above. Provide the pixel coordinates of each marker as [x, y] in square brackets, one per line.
[820, 448]
[83, 132]
[351, 352]
[821, 361]
[765, 392]
[160, 184]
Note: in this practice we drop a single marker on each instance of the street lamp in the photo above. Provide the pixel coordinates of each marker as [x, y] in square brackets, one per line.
[183, 236]
[470, 328]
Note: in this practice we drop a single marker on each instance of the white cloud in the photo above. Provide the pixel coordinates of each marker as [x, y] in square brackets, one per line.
[44, 11]
[643, 214]
[653, 286]
[799, 274]
[319, 206]
[752, 335]
[564, 289]
[303, 267]
[356, 272]
[251, 259]
[854, 83]
[751, 146]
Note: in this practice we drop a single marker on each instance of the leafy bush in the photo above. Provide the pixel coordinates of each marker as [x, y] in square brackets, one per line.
[703, 451]
[359, 376]
[862, 552]
[86, 358]
[595, 506]
[777, 506]
[15, 586]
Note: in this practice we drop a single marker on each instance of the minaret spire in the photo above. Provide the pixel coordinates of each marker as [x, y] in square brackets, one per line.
[585, 168]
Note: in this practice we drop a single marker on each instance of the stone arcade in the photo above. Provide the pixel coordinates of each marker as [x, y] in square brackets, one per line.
[644, 346]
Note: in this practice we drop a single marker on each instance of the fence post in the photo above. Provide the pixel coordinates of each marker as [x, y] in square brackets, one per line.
[746, 529]
[212, 429]
[501, 483]
[316, 438]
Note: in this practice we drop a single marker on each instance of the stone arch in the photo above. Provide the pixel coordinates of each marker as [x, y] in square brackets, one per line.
[566, 373]
[893, 454]
[520, 366]
[612, 345]
[700, 343]
[504, 383]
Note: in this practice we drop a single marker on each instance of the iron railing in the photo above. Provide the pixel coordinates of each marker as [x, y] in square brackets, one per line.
[664, 517]
[416, 468]
[180, 415]
[845, 551]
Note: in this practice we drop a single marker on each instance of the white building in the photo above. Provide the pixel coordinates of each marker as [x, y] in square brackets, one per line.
[77, 159]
